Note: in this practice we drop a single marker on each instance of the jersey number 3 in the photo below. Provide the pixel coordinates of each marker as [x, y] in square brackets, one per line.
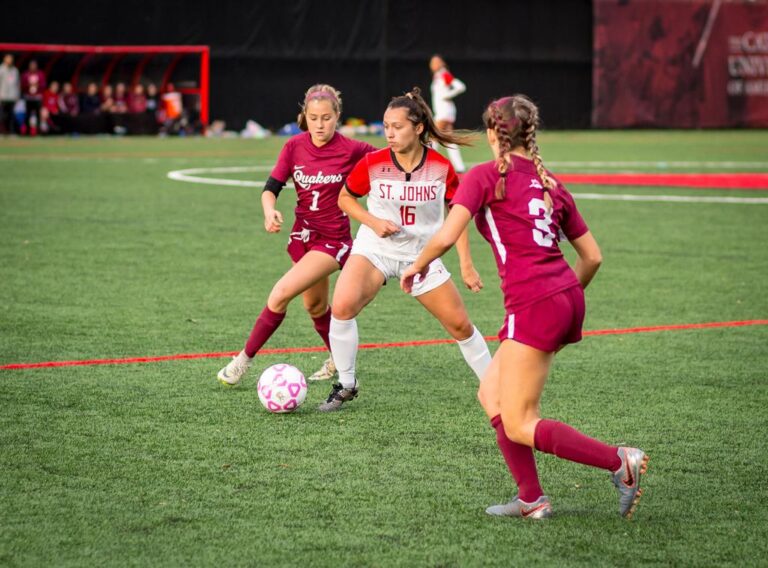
[542, 234]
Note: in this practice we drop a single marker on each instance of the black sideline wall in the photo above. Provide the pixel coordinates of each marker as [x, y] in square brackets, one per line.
[265, 54]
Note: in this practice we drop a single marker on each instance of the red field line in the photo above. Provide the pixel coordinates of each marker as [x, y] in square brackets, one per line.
[755, 181]
[417, 343]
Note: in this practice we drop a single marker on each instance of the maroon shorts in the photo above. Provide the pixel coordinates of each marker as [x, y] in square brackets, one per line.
[301, 241]
[549, 323]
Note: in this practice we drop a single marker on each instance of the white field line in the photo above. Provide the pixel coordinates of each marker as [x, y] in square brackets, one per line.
[672, 198]
[188, 175]
[710, 165]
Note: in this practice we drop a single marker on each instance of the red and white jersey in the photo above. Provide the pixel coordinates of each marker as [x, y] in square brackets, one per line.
[414, 201]
[444, 88]
[318, 176]
[523, 234]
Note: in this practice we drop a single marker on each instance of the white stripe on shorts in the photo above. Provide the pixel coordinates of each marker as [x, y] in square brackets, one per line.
[511, 326]
[342, 252]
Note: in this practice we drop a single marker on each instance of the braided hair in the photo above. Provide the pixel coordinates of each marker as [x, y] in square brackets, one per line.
[420, 113]
[515, 120]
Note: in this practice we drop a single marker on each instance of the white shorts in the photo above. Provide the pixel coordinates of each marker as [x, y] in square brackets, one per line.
[445, 112]
[391, 268]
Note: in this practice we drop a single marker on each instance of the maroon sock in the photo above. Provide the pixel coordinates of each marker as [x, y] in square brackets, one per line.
[556, 438]
[266, 324]
[323, 326]
[521, 463]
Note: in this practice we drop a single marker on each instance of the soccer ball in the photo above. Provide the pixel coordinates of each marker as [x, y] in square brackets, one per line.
[282, 388]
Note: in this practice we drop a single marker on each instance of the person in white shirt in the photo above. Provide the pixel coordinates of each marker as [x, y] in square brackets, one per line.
[10, 92]
[445, 87]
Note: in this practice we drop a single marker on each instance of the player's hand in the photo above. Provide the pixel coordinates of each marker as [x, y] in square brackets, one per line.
[471, 279]
[273, 220]
[409, 275]
[384, 228]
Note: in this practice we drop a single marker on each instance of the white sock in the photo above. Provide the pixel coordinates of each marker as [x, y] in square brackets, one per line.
[344, 341]
[454, 155]
[475, 352]
[243, 358]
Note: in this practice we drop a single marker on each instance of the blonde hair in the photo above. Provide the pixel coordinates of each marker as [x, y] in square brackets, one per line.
[419, 113]
[320, 91]
[515, 120]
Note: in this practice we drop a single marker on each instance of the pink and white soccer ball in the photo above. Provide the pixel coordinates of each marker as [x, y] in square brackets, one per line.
[282, 388]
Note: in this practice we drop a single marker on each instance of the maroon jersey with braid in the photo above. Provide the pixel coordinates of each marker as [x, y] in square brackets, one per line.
[523, 235]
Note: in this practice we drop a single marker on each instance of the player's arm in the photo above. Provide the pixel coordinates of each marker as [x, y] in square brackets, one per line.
[589, 260]
[455, 224]
[273, 219]
[469, 274]
[351, 206]
[456, 87]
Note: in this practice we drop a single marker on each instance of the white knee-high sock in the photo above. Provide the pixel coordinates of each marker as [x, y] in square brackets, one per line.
[475, 352]
[454, 155]
[344, 340]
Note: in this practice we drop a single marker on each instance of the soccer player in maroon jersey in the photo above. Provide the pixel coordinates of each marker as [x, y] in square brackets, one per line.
[319, 161]
[407, 185]
[521, 211]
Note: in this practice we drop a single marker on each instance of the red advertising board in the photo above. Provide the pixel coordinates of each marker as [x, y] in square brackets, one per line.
[680, 63]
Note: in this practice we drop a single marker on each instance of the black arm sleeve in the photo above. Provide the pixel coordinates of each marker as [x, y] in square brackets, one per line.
[274, 186]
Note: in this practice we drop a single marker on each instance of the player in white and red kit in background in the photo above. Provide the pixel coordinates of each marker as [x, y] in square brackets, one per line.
[407, 185]
[522, 211]
[445, 87]
[319, 161]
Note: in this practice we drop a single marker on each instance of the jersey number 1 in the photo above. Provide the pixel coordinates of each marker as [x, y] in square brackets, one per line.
[542, 234]
[315, 197]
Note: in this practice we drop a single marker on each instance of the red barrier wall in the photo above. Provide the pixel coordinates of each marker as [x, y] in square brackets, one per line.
[680, 63]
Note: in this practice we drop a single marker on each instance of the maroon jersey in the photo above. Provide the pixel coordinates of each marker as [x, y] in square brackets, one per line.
[522, 234]
[318, 176]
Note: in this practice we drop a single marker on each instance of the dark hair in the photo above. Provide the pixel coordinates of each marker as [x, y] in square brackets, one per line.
[318, 92]
[419, 113]
[515, 120]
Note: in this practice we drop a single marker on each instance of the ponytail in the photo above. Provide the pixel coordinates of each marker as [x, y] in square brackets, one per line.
[420, 113]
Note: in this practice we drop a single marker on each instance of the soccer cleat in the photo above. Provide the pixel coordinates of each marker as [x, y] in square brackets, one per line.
[539, 509]
[327, 371]
[634, 463]
[339, 395]
[231, 374]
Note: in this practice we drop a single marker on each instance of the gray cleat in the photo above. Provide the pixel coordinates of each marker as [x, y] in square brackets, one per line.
[339, 395]
[634, 463]
[539, 509]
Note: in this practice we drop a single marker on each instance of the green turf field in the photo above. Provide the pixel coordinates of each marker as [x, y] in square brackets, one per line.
[103, 256]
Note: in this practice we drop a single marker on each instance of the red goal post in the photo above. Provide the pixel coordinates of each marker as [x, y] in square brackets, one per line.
[116, 53]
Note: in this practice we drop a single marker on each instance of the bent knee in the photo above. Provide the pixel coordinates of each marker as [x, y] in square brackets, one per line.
[279, 298]
[515, 429]
[460, 330]
[344, 310]
[316, 308]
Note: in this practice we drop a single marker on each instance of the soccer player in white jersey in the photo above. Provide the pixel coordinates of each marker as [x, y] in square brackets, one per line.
[445, 87]
[407, 184]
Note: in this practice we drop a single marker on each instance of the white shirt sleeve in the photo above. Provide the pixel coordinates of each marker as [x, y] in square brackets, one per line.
[456, 87]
